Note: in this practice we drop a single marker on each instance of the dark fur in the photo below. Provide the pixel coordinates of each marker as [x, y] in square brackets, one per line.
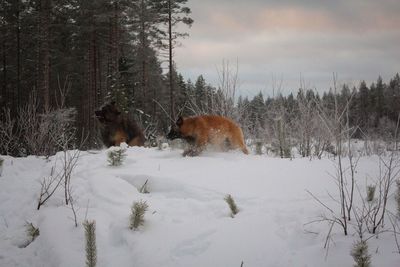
[118, 128]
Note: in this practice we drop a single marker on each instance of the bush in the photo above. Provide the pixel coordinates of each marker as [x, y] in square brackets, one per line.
[116, 155]
[32, 232]
[137, 217]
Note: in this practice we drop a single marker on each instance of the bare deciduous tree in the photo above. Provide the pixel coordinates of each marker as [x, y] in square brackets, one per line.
[9, 134]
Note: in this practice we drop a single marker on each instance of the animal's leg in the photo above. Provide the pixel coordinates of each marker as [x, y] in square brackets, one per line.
[119, 137]
[137, 141]
[239, 143]
[196, 148]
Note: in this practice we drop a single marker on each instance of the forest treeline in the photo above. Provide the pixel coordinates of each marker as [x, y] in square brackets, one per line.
[307, 121]
[370, 108]
[75, 55]
[79, 54]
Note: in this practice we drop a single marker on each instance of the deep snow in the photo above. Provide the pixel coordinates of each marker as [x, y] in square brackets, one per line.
[188, 222]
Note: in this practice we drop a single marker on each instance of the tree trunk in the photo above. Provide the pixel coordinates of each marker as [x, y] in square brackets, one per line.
[4, 94]
[18, 35]
[113, 53]
[171, 83]
[44, 53]
[143, 49]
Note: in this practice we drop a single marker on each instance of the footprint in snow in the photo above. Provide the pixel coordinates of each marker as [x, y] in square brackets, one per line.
[194, 246]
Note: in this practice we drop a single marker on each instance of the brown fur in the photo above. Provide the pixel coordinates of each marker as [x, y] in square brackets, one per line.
[118, 128]
[200, 131]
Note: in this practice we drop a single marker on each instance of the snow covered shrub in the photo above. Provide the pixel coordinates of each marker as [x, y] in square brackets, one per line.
[1, 165]
[370, 192]
[116, 155]
[360, 254]
[90, 236]
[32, 232]
[9, 133]
[137, 217]
[232, 205]
[45, 133]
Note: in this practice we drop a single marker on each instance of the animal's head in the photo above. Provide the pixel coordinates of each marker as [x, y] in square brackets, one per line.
[175, 131]
[108, 113]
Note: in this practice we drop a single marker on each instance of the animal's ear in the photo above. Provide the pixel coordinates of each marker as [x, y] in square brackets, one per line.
[112, 103]
[179, 122]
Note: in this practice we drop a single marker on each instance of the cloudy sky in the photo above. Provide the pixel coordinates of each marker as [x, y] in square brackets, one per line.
[279, 42]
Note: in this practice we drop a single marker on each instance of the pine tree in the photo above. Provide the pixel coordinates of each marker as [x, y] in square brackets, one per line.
[174, 12]
[363, 105]
[137, 216]
[90, 236]
[32, 232]
[200, 95]
[232, 205]
[257, 111]
[379, 108]
[116, 155]
[144, 28]
[360, 254]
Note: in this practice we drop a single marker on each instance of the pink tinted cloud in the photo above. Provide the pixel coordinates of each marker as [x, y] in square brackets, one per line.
[248, 21]
[288, 40]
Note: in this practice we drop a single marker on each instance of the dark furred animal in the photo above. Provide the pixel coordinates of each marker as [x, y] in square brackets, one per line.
[200, 131]
[118, 128]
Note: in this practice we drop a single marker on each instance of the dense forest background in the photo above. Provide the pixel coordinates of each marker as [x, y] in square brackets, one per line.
[75, 55]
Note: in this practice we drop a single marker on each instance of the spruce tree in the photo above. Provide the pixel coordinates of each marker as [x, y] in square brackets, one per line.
[200, 95]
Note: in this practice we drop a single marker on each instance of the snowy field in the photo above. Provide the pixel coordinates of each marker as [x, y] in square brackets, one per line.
[188, 223]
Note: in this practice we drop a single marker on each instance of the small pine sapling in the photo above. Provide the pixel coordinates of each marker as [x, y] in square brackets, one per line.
[360, 254]
[137, 216]
[116, 155]
[144, 189]
[370, 192]
[32, 232]
[232, 205]
[90, 236]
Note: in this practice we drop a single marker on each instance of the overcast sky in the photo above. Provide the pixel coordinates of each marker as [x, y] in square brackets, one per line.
[278, 41]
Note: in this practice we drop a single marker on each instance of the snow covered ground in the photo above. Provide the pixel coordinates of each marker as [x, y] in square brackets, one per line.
[188, 223]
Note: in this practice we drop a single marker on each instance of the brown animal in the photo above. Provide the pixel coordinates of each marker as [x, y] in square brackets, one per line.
[118, 128]
[200, 131]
